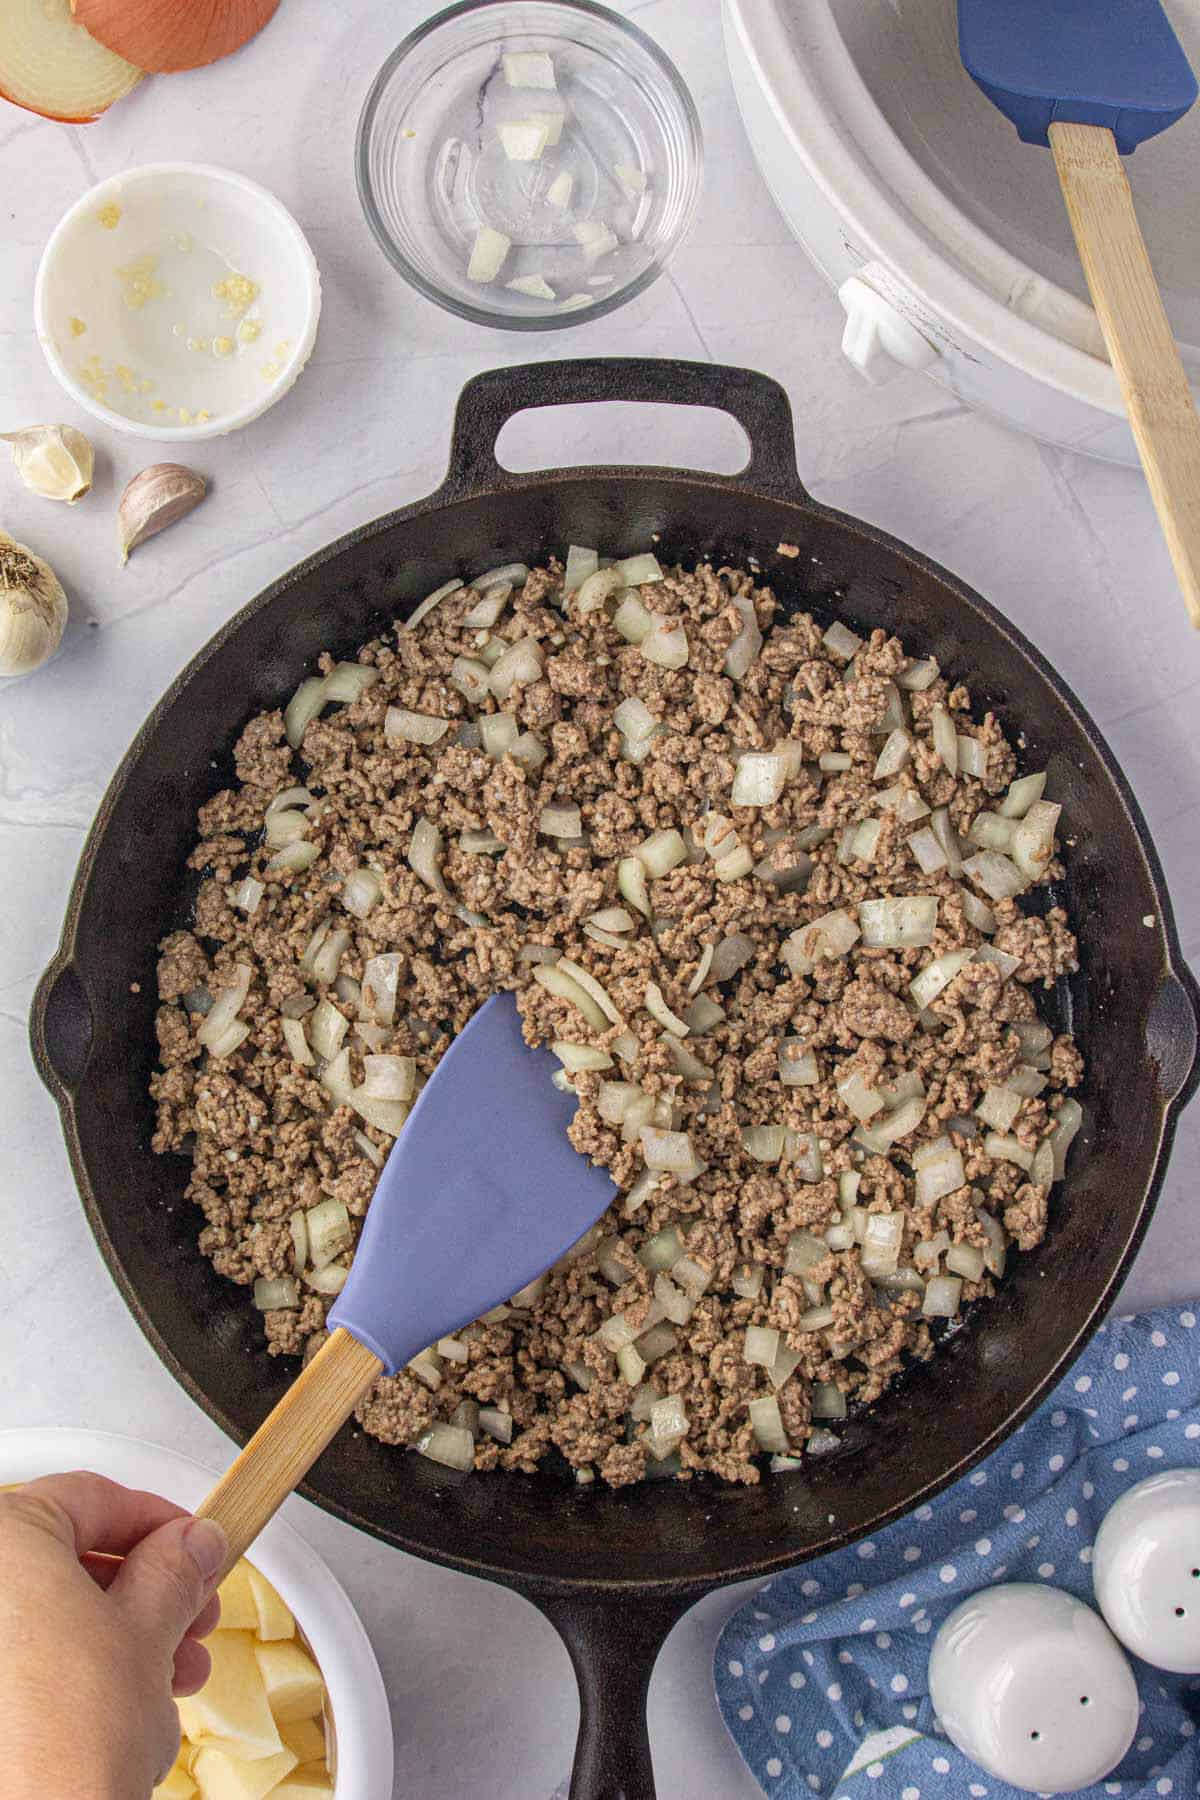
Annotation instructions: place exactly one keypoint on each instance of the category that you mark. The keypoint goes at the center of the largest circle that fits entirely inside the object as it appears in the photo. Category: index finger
(98, 1514)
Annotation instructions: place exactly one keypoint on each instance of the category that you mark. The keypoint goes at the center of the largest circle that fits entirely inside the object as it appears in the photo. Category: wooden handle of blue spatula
(1141, 347)
(289, 1441)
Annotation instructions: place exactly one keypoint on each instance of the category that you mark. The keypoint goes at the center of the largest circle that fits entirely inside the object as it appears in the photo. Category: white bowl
(127, 313)
(329, 1622)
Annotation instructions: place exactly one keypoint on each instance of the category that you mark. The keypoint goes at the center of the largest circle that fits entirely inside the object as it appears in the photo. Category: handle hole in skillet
(623, 431)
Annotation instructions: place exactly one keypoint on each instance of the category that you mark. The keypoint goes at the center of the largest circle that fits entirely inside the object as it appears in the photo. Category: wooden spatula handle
(1141, 347)
(289, 1441)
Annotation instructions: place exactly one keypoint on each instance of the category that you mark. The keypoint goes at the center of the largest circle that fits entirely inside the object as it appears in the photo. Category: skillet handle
(760, 406)
(613, 1642)
(1173, 1035)
(61, 1028)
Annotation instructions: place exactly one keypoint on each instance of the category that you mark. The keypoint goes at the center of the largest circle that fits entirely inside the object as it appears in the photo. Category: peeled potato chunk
(224, 1777)
(231, 1711)
(292, 1680)
(238, 1611)
(274, 1619)
(305, 1738)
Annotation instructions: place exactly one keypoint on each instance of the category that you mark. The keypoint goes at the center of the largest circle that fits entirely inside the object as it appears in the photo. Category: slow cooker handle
(760, 406)
(613, 1643)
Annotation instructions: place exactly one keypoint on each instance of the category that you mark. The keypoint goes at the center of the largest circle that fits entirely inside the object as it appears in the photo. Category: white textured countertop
(1067, 548)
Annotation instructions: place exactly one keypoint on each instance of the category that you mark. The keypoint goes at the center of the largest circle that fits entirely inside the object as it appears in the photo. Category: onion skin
(163, 37)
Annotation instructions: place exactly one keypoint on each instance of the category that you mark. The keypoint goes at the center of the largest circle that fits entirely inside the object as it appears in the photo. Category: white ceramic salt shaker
(1029, 1683)
(1146, 1569)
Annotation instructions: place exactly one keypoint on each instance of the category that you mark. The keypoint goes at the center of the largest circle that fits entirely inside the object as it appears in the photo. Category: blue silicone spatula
(1093, 79)
(482, 1191)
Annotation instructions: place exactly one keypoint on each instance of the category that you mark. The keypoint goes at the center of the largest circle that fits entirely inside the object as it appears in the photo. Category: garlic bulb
(55, 461)
(155, 499)
(33, 609)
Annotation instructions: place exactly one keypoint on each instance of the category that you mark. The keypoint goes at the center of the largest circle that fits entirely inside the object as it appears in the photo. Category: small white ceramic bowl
(141, 313)
(343, 1651)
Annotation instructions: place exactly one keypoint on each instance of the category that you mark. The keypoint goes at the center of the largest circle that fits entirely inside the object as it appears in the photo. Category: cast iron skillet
(614, 1570)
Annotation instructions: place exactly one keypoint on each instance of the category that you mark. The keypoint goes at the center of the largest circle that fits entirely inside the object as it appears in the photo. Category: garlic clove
(55, 461)
(33, 609)
(155, 499)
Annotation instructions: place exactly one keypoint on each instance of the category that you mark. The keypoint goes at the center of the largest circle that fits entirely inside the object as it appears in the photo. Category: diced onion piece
(992, 871)
(945, 739)
(286, 826)
(732, 867)
(670, 1152)
(892, 923)
(995, 1256)
(828, 1402)
(896, 752)
(329, 1231)
(947, 837)
(384, 1115)
(529, 1295)
(361, 891)
(631, 881)
(668, 649)
(497, 1424)
(631, 178)
(470, 677)
(560, 819)
(866, 840)
(632, 620)
(498, 732)
(857, 1096)
(479, 843)
(289, 797)
(615, 1099)
(298, 1226)
(977, 912)
(297, 1042)
(894, 1125)
(560, 190)
(425, 847)
(881, 1241)
(703, 1014)
(295, 858)
(804, 1251)
(834, 762)
(523, 139)
(767, 1423)
(674, 1302)
(247, 895)
(747, 1281)
(905, 802)
(798, 1065)
(388, 1077)
(520, 666)
(402, 726)
(815, 1319)
(598, 587)
(637, 571)
(764, 1142)
(668, 1419)
(529, 69)
(598, 936)
(1007, 1149)
(927, 1252)
(381, 978)
(1021, 795)
(595, 239)
(762, 1345)
(613, 918)
(450, 1445)
(839, 640)
(999, 959)
(999, 1108)
(658, 1009)
(592, 987)
(937, 975)
(991, 832)
(834, 934)
(303, 707)
(758, 778)
(487, 254)
(940, 1174)
(742, 653)
(327, 1028)
(972, 757)
(802, 1151)
(942, 1296)
(928, 852)
(840, 1235)
(661, 852)
(581, 562)
(371, 1151)
(656, 1342)
(329, 1281)
(1066, 1124)
(347, 681)
(491, 603)
(631, 1364)
(224, 1011)
(965, 1260)
(575, 1057)
(557, 982)
(633, 719)
(427, 605)
(918, 676)
(1033, 839)
(280, 1294)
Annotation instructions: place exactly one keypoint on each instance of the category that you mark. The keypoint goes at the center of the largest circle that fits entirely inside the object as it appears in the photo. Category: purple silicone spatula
(481, 1192)
(1094, 79)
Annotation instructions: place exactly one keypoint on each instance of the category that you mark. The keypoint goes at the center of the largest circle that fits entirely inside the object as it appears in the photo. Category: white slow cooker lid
(934, 183)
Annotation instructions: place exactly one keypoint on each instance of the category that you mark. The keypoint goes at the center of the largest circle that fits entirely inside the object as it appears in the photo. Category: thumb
(167, 1577)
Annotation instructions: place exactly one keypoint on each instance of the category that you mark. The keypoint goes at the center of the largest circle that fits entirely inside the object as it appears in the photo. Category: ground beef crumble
(267, 1142)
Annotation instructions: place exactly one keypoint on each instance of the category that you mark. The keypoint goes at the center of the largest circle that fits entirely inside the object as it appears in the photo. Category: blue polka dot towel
(821, 1678)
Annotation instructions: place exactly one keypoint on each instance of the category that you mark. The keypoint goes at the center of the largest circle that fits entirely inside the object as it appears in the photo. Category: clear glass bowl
(433, 168)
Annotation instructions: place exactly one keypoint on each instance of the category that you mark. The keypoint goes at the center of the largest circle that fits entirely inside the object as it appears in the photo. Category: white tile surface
(1066, 548)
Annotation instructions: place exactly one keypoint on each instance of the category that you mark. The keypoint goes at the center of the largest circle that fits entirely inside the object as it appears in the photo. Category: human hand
(104, 1595)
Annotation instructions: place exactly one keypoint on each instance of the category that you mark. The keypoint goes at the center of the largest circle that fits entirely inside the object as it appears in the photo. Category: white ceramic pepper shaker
(1146, 1569)
(1029, 1683)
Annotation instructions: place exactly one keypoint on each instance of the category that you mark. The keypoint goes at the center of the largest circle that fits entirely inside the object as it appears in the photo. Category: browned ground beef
(265, 1140)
